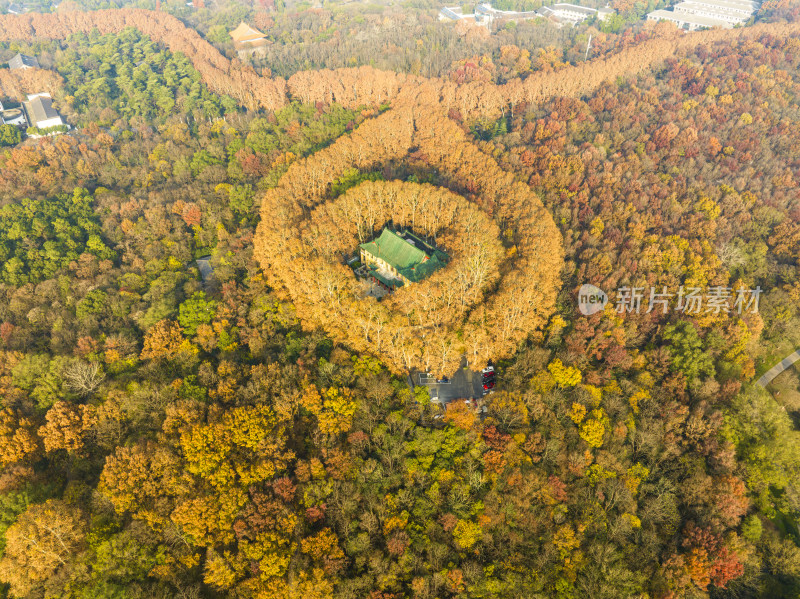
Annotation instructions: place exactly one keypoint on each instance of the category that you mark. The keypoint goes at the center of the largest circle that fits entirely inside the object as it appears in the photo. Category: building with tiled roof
(41, 113)
(23, 61)
(397, 259)
(245, 36)
(705, 14)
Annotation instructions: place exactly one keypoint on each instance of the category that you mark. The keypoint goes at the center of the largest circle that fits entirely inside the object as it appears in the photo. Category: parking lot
(464, 384)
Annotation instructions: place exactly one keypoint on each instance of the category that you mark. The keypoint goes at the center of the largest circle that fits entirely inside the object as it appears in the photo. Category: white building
(453, 13)
(686, 21)
(11, 116)
(14, 116)
(485, 14)
(568, 13)
(702, 14)
(742, 7)
(40, 111)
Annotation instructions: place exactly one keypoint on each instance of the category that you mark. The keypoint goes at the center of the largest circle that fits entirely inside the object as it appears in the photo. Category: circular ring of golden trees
(505, 251)
(444, 298)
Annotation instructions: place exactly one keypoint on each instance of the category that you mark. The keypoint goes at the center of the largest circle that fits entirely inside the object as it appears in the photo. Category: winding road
(784, 364)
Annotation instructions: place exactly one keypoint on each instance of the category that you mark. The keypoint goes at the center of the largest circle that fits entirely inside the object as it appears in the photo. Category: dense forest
(489, 300)
(362, 86)
(166, 433)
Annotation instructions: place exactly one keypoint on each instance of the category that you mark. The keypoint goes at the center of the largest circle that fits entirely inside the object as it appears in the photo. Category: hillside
(250, 432)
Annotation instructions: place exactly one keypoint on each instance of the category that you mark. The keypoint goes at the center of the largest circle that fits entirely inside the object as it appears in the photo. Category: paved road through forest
(784, 364)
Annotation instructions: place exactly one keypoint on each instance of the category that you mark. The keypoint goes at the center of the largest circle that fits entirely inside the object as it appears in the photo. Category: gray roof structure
(205, 268)
(23, 61)
(40, 108)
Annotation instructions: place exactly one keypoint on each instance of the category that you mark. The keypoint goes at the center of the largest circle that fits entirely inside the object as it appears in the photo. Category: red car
(488, 379)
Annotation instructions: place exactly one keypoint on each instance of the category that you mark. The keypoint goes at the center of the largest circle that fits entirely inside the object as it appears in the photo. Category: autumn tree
(40, 547)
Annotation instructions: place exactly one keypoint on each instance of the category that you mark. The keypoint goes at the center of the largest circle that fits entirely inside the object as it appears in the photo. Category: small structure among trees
(23, 61)
(246, 37)
(43, 118)
(396, 259)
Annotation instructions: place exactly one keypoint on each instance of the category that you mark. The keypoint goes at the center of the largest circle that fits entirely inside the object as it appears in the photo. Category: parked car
(488, 378)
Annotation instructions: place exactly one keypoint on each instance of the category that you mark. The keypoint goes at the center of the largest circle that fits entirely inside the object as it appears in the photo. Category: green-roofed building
(395, 259)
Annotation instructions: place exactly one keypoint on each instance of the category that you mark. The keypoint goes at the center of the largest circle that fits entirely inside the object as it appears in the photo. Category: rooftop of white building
(700, 21)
